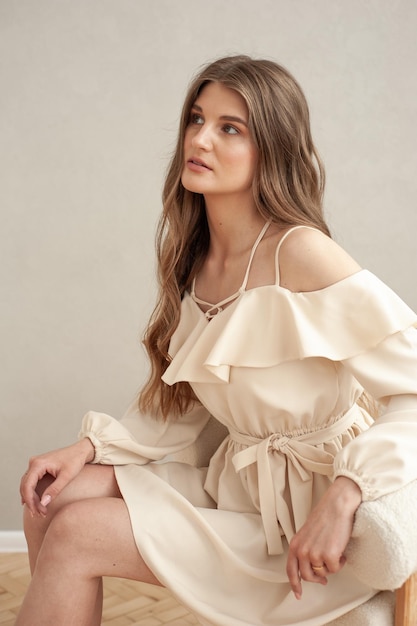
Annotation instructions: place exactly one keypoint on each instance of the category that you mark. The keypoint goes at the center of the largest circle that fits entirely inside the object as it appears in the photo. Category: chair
(383, 549)
(406, 603)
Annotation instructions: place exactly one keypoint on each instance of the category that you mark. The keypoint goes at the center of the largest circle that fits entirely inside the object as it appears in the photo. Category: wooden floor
(126, 603)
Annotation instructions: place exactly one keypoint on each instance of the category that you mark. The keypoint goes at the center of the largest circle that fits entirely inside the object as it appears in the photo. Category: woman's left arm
(316, 550)
(377, 462)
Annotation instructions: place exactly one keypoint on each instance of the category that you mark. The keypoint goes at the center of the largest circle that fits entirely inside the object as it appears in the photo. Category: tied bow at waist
(283, 459)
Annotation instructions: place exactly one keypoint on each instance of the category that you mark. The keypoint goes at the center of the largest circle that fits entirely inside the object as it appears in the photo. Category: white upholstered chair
(383, 549)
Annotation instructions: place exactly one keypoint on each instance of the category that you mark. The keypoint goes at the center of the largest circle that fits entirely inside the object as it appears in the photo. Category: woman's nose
(203, 137)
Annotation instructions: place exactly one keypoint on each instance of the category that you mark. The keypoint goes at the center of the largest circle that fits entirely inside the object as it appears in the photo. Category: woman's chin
(191, 185)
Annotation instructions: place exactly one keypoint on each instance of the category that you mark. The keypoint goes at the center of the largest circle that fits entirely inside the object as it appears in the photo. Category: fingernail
(46, 500)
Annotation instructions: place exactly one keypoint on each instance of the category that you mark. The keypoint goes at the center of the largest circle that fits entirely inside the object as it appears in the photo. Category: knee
(66, 526)
(64, 543)
(53, 536)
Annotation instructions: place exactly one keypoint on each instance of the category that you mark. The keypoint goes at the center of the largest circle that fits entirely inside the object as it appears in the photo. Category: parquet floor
(126, 602)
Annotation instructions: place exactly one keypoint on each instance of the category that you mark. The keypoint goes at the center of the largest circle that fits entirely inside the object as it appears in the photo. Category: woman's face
(219, 153)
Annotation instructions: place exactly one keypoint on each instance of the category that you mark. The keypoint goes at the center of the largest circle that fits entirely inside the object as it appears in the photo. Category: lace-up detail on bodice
(214, 309)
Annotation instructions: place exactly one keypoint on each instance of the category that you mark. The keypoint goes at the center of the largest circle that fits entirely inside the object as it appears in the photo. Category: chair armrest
(383, 548)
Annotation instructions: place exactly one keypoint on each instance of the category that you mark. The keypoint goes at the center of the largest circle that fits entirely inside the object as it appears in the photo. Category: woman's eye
(230, 130)
(195, 118)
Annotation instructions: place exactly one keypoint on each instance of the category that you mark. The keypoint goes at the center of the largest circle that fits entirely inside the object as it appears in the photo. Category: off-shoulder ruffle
(270, 325)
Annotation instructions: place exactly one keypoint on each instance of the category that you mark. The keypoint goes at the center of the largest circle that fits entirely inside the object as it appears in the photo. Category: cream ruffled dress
(282, 371)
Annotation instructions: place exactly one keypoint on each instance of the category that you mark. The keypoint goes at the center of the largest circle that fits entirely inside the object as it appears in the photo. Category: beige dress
(282, 371)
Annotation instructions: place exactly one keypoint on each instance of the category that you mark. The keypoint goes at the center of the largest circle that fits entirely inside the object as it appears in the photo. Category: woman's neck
(231, 224)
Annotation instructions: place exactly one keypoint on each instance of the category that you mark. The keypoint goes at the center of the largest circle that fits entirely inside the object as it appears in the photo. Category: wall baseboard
(12, 541)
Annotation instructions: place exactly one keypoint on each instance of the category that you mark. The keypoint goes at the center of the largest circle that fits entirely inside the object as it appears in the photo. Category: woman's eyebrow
(233, 118)
(227, 118)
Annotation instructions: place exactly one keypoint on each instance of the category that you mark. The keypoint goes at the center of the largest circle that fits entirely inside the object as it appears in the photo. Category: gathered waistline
(313, 436)
(300, 451)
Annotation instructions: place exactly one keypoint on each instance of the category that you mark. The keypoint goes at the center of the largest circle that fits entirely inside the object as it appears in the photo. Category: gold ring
(317, 567)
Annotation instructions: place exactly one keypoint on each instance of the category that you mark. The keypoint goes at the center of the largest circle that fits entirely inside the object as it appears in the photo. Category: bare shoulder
(309, 260)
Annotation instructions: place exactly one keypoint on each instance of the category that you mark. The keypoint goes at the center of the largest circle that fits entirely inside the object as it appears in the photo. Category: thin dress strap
(217, 308)
(281, 241)
(252, 254)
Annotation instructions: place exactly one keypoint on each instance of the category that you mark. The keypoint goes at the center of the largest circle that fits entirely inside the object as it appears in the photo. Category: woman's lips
(197, 165)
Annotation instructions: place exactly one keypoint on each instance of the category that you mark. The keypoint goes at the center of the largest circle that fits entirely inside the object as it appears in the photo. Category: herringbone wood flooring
(126, 602)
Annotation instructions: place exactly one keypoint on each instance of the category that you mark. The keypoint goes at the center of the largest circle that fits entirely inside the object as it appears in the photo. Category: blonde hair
(287, 189)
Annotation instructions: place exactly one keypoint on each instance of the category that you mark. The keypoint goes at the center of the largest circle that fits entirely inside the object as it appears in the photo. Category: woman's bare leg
(93, 481)
(85, 540)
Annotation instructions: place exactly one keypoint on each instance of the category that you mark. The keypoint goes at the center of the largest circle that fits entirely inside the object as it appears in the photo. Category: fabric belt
(293, 454)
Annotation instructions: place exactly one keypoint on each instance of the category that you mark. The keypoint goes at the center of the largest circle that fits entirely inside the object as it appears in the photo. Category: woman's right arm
(137, 438)
(63, 465)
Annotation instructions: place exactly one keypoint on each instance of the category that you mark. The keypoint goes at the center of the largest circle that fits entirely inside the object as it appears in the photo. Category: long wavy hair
(287, 188)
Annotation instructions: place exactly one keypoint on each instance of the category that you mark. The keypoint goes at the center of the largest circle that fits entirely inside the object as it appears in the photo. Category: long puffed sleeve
(139, 438)
(383, 458)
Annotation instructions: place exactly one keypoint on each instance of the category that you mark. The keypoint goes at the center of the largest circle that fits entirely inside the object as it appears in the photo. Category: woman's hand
(317, 549)
(63, 465)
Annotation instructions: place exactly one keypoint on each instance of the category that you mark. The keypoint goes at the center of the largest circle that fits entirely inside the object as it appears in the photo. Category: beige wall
(90, 92)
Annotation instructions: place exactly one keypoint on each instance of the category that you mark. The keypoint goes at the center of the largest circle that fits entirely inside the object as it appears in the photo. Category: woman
(267, 324)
